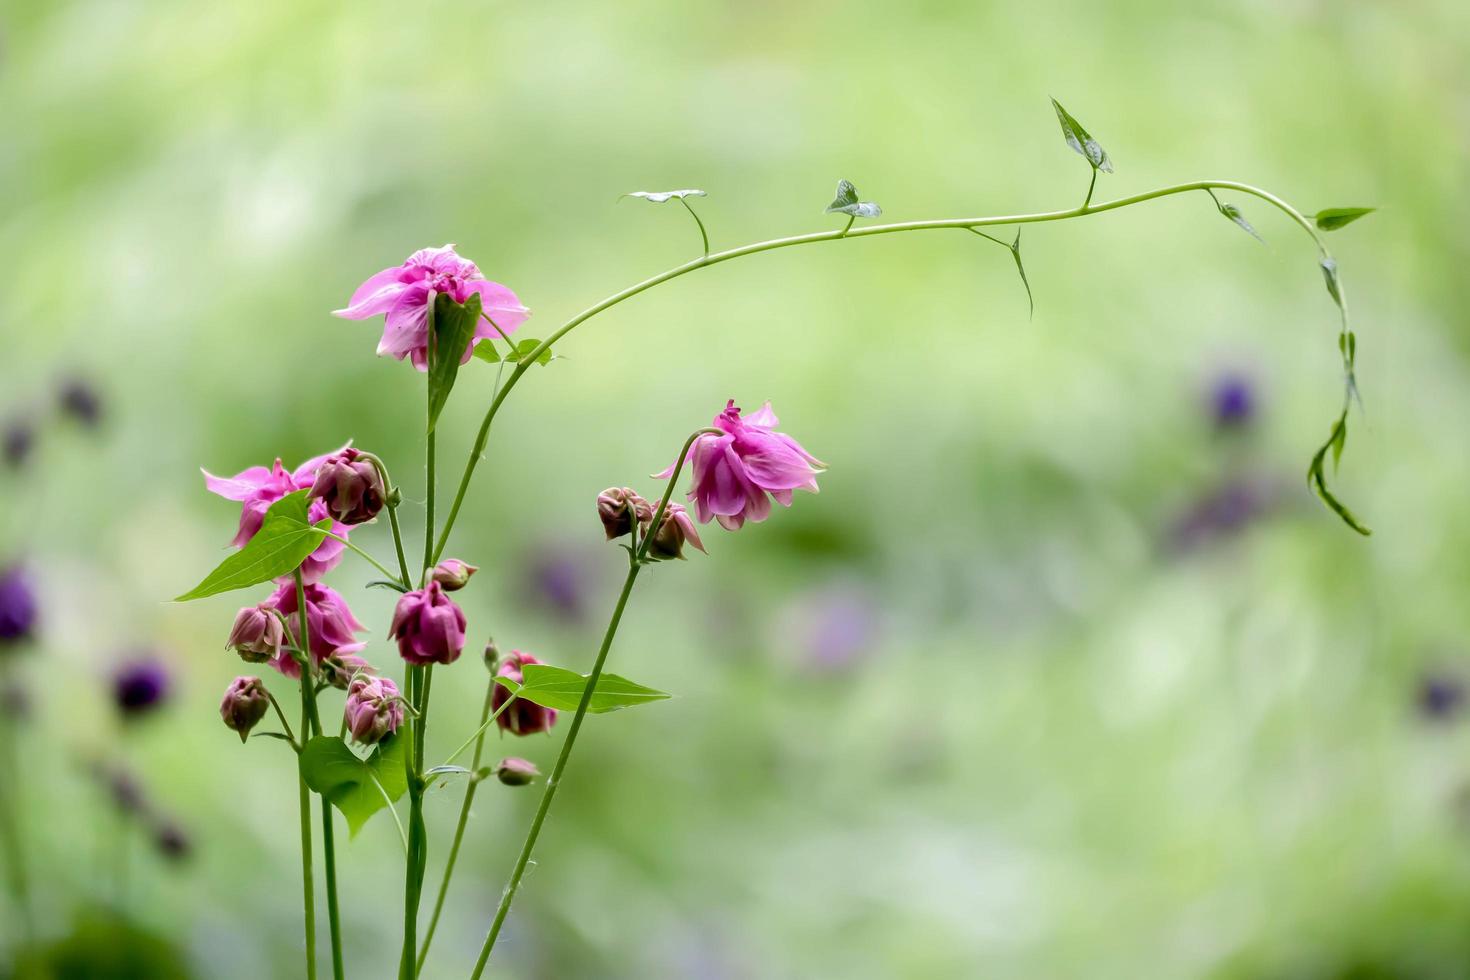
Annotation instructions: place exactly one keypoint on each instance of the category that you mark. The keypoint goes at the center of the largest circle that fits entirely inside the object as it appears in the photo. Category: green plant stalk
(391, 500)
(844, 234)
(307, 888)
(464, 816)
(635, 564)
(11, 827)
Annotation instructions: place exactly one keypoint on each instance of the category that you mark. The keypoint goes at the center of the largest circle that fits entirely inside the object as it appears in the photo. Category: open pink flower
(403, 294)
(329, 621)
(257, 488)
(428, 625)
(734, 471)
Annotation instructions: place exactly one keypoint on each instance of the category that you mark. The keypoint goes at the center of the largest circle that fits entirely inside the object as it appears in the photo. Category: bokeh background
(1063, 674)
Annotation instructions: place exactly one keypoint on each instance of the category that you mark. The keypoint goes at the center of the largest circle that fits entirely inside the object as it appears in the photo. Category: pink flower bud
(453, 574)
(350, 487)
(522, 717)
(257, 634)
(374, 710)
(516, 772)
(674, 529)
(429, 626)
(619, 507)
(245, 703)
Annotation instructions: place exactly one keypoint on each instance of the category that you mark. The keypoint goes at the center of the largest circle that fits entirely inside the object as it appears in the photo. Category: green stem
(844, 234)
(11, 827)
(311, 723)
(413, 878)
(703, 235)
(307, 889)
(549, 793)
(479, 733)
(392, 498)
(334, 923)
(1092, 185)
(486, 719)
(635, 564)
(429, 557)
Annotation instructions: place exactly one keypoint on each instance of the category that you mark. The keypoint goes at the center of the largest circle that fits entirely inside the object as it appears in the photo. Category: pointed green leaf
(451, 328)
(1331, 219)
(523, 350)
(1016, 254)
(485, 351)
(278, 548)
(352, 784)
(659, 197)
(1317, 475)
(1329, 274)
(1234, 214)
(1080, 140)
(556, 687)
(846, 202)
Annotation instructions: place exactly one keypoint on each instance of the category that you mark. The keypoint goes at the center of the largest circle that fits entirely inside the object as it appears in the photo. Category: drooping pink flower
(257, 488)
(523, 717)
(373, 710)
(403, 294)
(734, 471)
(330, 625)
(244, 704)
(350, 487)
(429, 626)
(257, 634)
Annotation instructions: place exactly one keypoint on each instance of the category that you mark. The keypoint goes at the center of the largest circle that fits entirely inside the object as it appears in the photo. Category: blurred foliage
(1056, 677)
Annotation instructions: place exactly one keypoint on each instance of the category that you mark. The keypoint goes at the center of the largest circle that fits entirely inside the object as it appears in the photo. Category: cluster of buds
(350, 487)
(374, 709)
(620, 509)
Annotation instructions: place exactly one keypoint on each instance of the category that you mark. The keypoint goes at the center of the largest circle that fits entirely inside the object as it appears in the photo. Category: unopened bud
(350, 486)
(374, 709)
(492, 656)
(257, 634)
(453, 574)
(339, 669)
(245, 703)
(675, 528)
(619, 508)
(516, 772)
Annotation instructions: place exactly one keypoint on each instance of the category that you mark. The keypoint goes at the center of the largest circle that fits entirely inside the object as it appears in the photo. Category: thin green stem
(334, 924)
(311, 723)
(392, 497)
(1092, 185)
(284, 723)
(307, 889)
(370, 559)
(549, 793)
(486, 719)
(848, 227)
(845, 234)
(703, 235)
(479, 734)
(11, 824)
(388, 802)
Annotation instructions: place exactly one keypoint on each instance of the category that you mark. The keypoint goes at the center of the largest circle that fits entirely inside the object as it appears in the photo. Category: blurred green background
(1057, 677)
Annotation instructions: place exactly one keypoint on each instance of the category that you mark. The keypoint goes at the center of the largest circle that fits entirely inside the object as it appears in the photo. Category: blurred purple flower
(79, 400)
(1232, 401)
(834, 627)
(1222, 512)
(17, 607)
(1441, 696)
(17, 442)
(403, 294)
(171, 840)
(734, 471)
(257, 488)
(557, 579)
(140, 686)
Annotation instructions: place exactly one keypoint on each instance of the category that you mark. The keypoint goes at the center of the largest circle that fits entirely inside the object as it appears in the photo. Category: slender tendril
(844, 234)
(703, 235)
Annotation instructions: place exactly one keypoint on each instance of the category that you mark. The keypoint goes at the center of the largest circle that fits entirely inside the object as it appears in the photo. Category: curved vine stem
(847, 234)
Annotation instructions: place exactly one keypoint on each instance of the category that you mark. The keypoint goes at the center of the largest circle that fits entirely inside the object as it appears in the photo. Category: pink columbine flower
(257, 488)
(349, 486)
(329, 623)
(244, 704)
(429, 626)
(373, 710)
(734, 471)
(523, 717)
(404, 292)
(257, 634)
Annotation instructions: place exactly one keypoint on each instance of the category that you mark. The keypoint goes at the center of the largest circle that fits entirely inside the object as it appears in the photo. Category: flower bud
(374, 709)
(675, 527)
(453, 574)
(339, 669)
(245, 703)
(619, 507)
(516, 772)
(523, 717)
(17, 607)
(492, 656)
(257, 634)
(350, 487)
(429, 626)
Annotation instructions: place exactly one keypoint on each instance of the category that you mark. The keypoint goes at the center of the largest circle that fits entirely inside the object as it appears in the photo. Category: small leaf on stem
(1331, 219)
(1329, 273)
(352, 784)
(280, 546)
(522, 351)
(451, 329)
(1234, 214)
(659, 197)
(556, 687)
(1080, 140)
(485, 351)
(846, 202)
(1317, 475)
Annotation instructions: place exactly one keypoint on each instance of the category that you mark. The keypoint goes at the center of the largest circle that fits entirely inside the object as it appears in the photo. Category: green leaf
(486, 351)
(1016, 254)
(1331, 219)
(451, 328)
(1334, 287)
(659, 197)
(1080, 140)
(846, 202)
(1234, 214)
(352, 784)
(556, 687)
(523, 349)
(1317, 475)
(278, 548)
